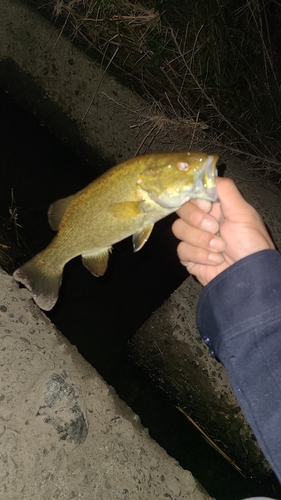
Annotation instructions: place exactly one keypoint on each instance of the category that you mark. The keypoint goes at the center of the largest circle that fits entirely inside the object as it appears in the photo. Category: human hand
(216, 235)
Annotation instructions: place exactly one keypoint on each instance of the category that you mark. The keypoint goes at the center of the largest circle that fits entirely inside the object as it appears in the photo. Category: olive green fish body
(108, 210)
(126, 200)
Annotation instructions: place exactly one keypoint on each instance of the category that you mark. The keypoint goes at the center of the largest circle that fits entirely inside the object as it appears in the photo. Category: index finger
(199, 218)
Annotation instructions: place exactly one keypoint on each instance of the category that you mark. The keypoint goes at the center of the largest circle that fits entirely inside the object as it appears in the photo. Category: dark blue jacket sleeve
(240, 313)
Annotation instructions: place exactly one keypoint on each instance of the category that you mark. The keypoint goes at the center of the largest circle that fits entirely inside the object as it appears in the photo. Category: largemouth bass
(126, 200)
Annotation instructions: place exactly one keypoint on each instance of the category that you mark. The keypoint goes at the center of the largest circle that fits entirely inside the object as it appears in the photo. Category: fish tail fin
(43, 284)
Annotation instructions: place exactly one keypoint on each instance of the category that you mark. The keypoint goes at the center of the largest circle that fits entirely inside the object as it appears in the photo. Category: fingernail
(217, 244)
(210, 225)
(216, 258)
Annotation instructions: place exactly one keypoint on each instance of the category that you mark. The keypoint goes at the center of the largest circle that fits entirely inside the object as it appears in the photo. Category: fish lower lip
(212, 194)
(211, 170)
(210, 173)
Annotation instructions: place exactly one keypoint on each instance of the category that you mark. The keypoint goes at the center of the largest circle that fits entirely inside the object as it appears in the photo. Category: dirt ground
(64, 432)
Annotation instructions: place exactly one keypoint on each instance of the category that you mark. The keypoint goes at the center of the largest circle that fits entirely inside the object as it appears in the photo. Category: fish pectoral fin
(140, 237)
(96, 262)
(130, 209)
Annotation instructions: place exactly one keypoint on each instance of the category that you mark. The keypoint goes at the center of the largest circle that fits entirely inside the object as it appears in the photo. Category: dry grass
(13, 250)
(210, 71)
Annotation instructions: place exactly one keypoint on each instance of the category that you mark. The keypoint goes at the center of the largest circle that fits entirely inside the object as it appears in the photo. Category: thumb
(231, 200)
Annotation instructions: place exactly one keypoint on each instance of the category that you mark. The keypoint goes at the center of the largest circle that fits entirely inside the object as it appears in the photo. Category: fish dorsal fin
(96, 261)
(58, 208)
(140, 237)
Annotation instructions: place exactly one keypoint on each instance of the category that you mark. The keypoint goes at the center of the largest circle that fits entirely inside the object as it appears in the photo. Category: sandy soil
(64, 432)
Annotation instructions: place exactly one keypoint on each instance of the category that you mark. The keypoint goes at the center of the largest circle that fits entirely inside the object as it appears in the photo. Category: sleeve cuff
(249, 288)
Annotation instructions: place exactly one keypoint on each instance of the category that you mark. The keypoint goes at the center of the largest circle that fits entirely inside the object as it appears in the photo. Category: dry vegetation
(210, 71)
(13, 249)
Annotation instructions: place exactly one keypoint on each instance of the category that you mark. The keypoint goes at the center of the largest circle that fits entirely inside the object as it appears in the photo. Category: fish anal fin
(141, 237)
(96, 261)
(57, 210)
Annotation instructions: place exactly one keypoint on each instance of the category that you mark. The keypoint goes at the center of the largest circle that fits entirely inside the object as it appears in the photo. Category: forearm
(240, 312)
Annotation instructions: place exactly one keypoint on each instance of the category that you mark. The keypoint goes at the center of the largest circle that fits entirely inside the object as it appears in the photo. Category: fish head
(174, 178)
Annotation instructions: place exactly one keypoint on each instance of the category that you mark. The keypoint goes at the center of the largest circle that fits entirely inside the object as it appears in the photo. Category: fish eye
(182, 165)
